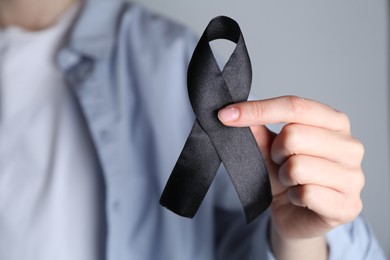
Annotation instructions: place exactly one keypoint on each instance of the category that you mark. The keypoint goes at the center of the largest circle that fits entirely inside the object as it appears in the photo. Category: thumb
(264, 139)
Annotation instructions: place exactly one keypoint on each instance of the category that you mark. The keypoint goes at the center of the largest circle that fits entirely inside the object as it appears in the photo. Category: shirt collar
(94, 30)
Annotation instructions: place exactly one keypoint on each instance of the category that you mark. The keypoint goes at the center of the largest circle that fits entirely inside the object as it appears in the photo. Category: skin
(314, 163)
(315, 170)
(32, 15)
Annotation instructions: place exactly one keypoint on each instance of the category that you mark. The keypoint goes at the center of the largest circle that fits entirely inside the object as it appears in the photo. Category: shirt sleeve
(354, 241)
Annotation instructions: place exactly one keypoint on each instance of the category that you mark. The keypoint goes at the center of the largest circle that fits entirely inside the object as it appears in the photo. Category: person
(94, 113)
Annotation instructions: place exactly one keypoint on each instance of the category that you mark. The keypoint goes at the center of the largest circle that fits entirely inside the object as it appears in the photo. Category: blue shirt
(127, 68)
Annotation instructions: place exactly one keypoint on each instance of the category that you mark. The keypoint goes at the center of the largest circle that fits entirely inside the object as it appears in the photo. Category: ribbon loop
(210, 142)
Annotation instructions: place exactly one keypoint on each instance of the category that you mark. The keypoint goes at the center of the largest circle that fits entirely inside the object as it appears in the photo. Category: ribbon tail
(192, 175)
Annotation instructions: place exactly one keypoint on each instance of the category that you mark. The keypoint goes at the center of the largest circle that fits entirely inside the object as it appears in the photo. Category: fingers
(295, 139)
(307, 170)
(323, 176)
(287, 109)
(315, 162)
(334, 207)
(321, 170)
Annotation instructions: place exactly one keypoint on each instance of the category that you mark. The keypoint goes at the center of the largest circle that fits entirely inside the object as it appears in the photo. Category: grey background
(332, 51)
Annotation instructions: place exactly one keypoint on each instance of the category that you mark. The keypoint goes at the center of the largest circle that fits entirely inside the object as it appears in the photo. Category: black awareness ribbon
(210, 142)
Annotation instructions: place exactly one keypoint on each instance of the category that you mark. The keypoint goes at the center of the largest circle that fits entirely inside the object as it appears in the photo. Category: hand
(314, 165)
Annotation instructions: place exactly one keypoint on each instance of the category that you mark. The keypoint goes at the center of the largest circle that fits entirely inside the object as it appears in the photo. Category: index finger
(286, 109)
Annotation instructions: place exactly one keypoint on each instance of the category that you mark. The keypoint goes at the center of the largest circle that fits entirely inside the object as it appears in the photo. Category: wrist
(296, 248)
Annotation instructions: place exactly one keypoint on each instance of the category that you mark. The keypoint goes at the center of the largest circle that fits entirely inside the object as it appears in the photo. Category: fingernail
(228, 114)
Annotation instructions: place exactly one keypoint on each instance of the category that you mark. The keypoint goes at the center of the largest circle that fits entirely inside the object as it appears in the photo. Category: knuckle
(307, 196)
(258, 110)
(359, 181)
(345, 123)
(357, 209)
(351, 210)
(359, 147)
(362, 181)
(297, 104)
(294, 170)
(356, 206)
(357, 150)
(290, 136)
(354, 184)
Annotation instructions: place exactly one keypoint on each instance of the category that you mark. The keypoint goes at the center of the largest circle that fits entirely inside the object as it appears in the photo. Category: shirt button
(68, 58)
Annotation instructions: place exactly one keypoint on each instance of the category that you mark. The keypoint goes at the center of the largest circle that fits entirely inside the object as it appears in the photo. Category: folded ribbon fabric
(210, 142)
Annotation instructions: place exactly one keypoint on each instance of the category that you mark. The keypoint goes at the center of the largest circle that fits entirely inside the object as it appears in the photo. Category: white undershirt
(48, 175)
